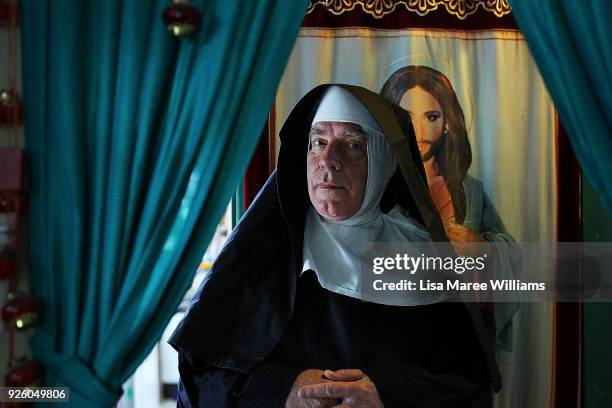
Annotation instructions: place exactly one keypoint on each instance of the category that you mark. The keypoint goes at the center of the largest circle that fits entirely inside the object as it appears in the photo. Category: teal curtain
(136, 142)
(571, 42)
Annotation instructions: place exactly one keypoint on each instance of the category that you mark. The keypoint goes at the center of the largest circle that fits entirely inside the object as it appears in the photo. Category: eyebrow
(354, 133)
(429, 111)
(315, 131)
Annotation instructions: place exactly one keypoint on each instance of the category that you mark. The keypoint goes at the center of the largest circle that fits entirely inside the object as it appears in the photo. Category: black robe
(235, 343)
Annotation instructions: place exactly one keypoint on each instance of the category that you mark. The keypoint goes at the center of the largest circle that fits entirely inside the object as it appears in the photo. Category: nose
(330, 157)
(418, 130)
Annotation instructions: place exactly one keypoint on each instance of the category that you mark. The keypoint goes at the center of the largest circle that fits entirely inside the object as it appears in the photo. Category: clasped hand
(333, 389)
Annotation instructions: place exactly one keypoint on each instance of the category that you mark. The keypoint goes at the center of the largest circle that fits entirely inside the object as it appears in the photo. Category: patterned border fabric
(380, 8)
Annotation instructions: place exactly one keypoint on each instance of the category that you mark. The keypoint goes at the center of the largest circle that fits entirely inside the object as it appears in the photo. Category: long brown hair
(454, 157)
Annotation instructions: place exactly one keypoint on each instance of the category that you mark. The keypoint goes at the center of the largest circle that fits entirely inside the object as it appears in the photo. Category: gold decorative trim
(380, 8)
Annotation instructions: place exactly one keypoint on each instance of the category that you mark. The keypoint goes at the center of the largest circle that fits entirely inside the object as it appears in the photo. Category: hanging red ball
(21, 312)
(10, 108)
(181, 18)
(28, 374)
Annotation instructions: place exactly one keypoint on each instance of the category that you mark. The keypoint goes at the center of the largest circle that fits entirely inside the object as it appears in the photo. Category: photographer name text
(458, 285)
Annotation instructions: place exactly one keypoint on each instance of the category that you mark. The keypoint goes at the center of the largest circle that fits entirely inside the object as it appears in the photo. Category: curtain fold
(571, 42)
(136, 142)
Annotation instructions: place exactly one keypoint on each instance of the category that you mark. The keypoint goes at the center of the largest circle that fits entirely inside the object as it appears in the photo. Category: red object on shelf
(30, 373)
(10, 108)
(21, 312)
(181, 18)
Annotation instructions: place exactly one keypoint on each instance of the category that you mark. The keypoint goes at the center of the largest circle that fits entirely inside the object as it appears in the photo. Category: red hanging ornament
(182, 18)
(21, 312)
(28, 374)
(10, 108)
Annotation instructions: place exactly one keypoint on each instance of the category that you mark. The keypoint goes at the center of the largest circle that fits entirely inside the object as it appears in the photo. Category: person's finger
(345, 374)
(325, 390)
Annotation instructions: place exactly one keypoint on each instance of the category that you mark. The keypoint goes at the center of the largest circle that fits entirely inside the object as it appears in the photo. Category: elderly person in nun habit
(280, 320)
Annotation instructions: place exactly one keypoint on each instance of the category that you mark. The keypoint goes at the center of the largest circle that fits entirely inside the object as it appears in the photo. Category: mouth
(327, 186)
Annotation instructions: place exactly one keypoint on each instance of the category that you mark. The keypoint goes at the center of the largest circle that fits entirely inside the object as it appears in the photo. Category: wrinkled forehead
(347, 129)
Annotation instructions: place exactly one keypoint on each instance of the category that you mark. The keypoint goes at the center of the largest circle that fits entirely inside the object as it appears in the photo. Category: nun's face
(337, 169)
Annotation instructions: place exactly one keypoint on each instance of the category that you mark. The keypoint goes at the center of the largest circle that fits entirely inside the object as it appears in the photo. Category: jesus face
(427, 118)
(337, 169)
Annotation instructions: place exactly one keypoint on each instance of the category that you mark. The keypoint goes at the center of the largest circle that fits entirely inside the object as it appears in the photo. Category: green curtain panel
(571, 42)
(136, 142)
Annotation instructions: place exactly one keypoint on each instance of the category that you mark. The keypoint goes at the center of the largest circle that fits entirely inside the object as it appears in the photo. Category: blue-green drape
(136, 142)
(571, 42)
